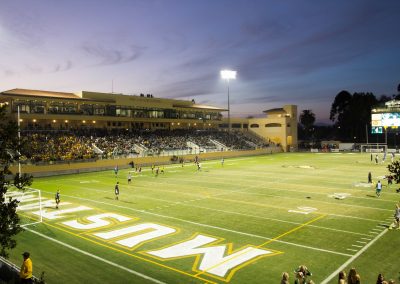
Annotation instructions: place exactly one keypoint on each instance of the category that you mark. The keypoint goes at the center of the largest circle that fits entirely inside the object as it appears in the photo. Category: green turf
(245, 202)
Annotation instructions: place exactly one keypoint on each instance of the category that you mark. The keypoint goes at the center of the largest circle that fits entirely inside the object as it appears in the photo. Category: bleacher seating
(82, 145)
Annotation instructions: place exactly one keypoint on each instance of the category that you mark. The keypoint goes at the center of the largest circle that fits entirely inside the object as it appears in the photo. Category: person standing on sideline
(129, 178)
(369, 177)
(390, 180)
(376, 159)
(116, 189)
(285, 278)
(57, 198)
(371, 157)
(26, 269)
(396, 223)
(342, 277)
(116, 171)
(392, 157)
(378, 188)
(353, 277)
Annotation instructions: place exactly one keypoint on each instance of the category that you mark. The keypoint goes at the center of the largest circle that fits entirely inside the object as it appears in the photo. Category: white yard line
(208, 226)
(319, 201)
(353, 217)
(277, 196)
(278, 220)
(351, 259)
(232, 200)
(352, 249)
(97, 257)
(202, 198)
(295, 177)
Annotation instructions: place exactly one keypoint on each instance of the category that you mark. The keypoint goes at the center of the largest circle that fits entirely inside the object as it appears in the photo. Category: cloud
(193, 87)
(62, 67)
(174, 42)
(113, 55)
(308, 48)
(21, 28)
(8, 73)
(33, 69)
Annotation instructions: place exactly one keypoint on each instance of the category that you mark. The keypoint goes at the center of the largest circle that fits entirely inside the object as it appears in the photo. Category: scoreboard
(377, 130)
(386, 119)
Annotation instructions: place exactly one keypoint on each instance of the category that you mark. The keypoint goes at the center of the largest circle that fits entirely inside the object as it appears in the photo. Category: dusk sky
(285, 52)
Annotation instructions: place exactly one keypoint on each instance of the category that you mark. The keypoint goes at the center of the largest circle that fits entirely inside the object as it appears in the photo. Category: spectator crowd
(302, 273)
(92, 144)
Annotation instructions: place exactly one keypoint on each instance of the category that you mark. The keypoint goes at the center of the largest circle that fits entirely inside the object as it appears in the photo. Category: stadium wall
(102, 165)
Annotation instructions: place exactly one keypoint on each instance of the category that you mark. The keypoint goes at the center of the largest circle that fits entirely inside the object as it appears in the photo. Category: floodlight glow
(228, 74)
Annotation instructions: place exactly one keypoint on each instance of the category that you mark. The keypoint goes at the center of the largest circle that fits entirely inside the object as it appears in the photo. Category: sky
(301, 52)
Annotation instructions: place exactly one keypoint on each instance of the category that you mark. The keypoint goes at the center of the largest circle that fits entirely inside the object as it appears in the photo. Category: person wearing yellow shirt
(26, 269)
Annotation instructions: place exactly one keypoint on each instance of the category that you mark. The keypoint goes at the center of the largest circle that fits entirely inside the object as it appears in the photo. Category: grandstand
(89, 113)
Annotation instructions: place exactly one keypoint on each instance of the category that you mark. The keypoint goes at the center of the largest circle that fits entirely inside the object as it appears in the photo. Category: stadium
(207, 142)
(201, 199)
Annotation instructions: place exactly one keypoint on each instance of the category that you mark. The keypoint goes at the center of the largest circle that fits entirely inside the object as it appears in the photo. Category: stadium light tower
(227, 75)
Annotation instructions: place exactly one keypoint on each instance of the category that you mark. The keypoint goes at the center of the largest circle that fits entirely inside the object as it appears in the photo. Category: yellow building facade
(46, 110)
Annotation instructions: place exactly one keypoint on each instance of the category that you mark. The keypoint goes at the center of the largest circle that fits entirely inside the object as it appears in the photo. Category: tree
(394, 168)
(351, 113)
(10, 151)
(397, 97)
(384, 99)
(307, 119)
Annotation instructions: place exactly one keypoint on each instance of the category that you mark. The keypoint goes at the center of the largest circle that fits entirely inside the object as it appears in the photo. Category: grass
(252, 201)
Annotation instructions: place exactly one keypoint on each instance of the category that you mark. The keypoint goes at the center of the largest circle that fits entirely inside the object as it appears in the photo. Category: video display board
(385, 119)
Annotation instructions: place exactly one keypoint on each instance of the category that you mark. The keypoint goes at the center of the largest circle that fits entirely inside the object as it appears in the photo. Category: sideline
(351, 259)
(97, 257)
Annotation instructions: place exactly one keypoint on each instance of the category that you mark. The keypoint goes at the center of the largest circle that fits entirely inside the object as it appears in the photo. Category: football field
(245, 221)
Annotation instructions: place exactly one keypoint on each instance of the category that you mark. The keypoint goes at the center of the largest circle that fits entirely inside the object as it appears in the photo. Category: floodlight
(228, 74)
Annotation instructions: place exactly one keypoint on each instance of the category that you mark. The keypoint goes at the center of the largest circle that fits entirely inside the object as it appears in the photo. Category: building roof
(198, 106)
(275, 110)
(103, 97)
(39, 93)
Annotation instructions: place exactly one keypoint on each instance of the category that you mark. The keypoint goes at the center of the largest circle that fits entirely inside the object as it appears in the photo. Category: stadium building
(47, 110)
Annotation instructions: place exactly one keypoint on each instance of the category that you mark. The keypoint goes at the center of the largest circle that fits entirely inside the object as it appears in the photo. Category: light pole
(227, 75)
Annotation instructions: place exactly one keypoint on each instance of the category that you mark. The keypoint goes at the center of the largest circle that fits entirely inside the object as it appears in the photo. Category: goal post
(373, 148)
(29, 200)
